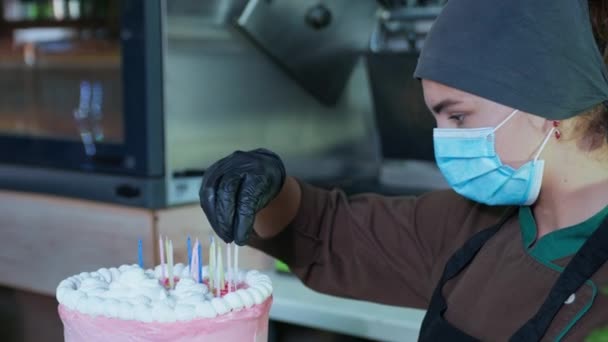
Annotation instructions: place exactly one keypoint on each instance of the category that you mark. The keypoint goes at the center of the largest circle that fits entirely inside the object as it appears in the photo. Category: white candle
(162, 257)
(236, 266)
(217, 271)
(194, 262)
(220, 266)
(170, 263)
(211, 266)
(229, 265)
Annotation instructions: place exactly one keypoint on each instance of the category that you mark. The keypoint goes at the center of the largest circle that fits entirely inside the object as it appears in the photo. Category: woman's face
(516, 141)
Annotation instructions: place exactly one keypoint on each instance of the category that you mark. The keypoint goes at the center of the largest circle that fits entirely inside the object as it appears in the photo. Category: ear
(539, 124)
(548, 124)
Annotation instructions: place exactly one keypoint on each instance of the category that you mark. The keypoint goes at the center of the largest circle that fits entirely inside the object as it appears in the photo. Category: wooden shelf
(80, 23)
(88, 54)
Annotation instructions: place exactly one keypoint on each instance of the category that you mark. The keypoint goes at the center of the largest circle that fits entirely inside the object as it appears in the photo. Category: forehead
(435, 92)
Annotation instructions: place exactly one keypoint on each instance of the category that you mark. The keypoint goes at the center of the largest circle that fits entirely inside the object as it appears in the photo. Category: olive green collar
(560, 243)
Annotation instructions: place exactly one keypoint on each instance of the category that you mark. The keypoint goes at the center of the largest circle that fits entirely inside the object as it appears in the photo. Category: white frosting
(131, 293)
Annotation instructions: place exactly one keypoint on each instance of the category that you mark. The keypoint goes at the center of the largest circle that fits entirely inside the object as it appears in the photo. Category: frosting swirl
(132, 293)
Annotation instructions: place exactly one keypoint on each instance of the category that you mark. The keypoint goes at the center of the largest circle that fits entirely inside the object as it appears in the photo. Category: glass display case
(65, 89)
(81, 97)
(60, 86)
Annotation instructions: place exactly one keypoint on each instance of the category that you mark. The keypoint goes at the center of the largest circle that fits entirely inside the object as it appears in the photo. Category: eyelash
(457, 117)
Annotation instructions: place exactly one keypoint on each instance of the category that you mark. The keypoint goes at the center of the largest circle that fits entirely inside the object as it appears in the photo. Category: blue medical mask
(469, 162)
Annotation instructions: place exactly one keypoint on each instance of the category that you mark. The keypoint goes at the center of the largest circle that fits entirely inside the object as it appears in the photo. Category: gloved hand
(236, 187)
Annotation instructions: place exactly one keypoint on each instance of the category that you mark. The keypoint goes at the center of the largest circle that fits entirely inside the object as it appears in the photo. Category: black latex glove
(236, 187)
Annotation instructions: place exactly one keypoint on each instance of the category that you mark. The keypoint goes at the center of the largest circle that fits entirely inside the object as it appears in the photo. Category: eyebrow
(444, 104)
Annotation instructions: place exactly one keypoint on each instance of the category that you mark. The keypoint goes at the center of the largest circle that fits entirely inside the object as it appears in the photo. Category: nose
(442, 122)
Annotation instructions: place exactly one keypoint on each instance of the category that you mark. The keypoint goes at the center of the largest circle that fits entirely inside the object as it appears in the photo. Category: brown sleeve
(369, 247)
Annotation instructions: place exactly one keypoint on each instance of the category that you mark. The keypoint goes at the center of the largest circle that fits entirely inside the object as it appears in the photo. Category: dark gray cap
(539, 56)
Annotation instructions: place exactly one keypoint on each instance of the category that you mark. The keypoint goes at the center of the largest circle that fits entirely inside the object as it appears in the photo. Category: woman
(518, 249)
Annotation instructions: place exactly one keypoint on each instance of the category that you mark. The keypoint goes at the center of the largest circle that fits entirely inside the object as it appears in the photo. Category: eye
(459, 118)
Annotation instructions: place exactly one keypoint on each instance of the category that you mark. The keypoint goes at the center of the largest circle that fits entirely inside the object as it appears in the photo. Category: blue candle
(189, 249)
(140, 253)
(200, 263)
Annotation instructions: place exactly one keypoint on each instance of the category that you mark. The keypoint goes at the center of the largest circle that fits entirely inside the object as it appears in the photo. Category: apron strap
(592, 255)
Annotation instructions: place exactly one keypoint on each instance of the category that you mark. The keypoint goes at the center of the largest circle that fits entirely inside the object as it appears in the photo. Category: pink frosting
(244, 325)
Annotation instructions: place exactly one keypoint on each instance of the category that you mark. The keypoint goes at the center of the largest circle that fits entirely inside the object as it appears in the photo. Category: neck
(578, 191)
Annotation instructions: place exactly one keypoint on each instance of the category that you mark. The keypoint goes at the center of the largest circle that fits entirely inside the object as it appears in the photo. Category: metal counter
(296, 304)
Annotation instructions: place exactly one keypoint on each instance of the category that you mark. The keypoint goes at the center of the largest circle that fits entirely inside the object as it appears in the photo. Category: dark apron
(592, 255)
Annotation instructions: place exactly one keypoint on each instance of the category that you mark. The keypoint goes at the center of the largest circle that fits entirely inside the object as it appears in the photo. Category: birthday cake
(168, 303)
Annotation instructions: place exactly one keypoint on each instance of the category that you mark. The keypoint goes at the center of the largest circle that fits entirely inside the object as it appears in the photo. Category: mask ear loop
(542, 146)
(506, 119)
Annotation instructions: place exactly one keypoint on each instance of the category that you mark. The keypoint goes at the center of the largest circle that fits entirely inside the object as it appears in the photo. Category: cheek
(505, 150)
(515, 146)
